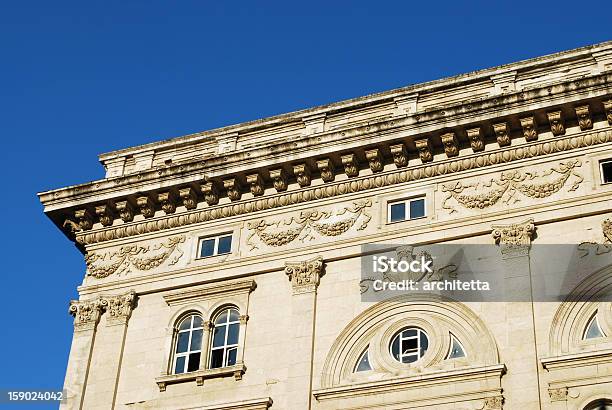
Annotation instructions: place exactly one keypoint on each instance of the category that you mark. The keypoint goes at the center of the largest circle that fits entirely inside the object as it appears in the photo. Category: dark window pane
(197, 321)
(219, 336)
(398, 212)
(185, 324)
(225, 244)
(364, 363)
(216, 359)
(395, 348)
(194, 362)
(606, 170)
(208, 247)
(180, 365)
(231, 356)
(234, 316)
(409, 344)
(232, 337)
(196, 340)
(409, 359)
(410, 332)
(183, 340)
(222, 318)
(417, 208)
(424, 342)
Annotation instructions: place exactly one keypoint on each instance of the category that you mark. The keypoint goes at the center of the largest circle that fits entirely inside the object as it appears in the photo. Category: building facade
(224, 268)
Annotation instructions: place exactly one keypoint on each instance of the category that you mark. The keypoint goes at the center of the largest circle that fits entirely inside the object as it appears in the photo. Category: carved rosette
(351, 165)
(514, 239)
(425, 149)
(118, 308)
(86, 313)
(84, 219)
(501, 133)
(584, 117)
(326, 168)
(126, 212)
(451, 144)
(146, 205)
(256, 184)
(400, 156)
(233, 188)
(530, 128)
(555, 119)
(279, 179)
(493, 403)
(375, 160)
(105, 214)
(305, 276)
(302, 174)
(608, 109)
(476, 139)
(558, 394)
(167, 201)
(211, 193)
(189, 198)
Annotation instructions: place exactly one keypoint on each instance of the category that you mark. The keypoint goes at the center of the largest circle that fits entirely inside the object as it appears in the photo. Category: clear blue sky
(81, 78)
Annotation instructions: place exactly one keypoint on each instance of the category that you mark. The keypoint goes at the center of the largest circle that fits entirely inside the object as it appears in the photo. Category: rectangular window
(215, 245)
(606, 171)
(406, 210)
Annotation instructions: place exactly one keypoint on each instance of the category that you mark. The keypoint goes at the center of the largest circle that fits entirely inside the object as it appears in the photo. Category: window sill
(200, 375)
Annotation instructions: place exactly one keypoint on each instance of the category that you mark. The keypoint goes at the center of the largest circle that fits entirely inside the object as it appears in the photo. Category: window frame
(176, 355)
(226, 347)
(602, 162)
(217, 237)
(407, 202)
(399, 335)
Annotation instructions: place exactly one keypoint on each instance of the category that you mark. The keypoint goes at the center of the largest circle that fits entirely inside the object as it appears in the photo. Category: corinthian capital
(305, 275)
(86, 313)
(118, 308)
(514, 237)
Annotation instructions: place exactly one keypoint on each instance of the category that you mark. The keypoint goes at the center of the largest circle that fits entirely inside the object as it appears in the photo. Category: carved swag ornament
(133, 256)
(480, 195)
(304, 227)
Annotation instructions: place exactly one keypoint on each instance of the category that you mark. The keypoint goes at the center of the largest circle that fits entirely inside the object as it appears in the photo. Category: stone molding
(87, 313)
(207, 291)
(305, 276)
(402, 175)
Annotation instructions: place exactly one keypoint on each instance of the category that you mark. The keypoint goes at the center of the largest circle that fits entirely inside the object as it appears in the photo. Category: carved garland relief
(134, 256)
(310, 224)
(508, 184)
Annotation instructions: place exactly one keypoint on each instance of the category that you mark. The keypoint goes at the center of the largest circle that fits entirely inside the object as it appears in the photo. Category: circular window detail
(409, 345)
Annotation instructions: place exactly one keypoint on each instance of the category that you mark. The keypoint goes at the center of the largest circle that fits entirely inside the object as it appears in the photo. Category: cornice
(225, 289)
(388, 178)
(573, 360)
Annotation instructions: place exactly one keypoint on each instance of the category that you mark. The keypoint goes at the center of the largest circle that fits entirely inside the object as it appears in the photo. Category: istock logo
(384, 264)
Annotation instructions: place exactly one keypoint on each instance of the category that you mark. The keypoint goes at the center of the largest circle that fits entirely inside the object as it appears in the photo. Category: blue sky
(81, 78)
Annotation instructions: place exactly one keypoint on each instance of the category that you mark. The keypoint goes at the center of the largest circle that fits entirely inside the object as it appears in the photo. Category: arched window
(602, 404)
(188, 345)
(363, 364)
(224, 346)
(593, 331)
(456, 349)
(409, 345)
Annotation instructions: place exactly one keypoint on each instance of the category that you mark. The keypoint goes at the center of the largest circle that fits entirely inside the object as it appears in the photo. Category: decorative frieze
(351, 165)
(211, 193)
(189, 198)
(326, 168)
(305, 276)
(302, 174)
(86, 313)
(365, 183)
(400, 156)
(146, 206)
(476, 139)
(126, 212)
(279, 179)
(451, 144)
(555, 118)
(84, 219)
(425, 149)
(501, 134)
(375, 159)
(167, 201)
(118, 308)
(608, 110)
(256, 184)
(584, 117)
(105, 214)
(530, 128)
(233, 188)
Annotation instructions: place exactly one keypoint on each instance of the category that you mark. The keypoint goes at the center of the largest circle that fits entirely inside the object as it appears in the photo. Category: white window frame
(188, 351)
(601, 171)
(226, 347)
(216, 237)
(401, 338)
(406, 203)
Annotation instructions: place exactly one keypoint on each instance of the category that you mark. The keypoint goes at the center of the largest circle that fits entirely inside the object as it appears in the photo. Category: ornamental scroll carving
(310, 224)
(509, 184)
(585, 248)
(305, 276)
(101, 265)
